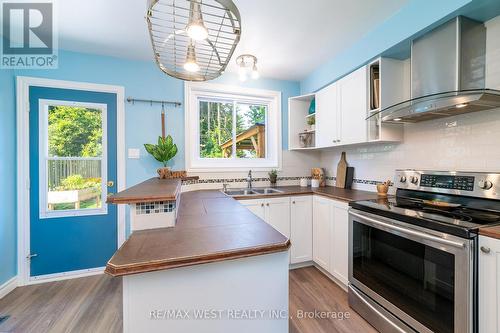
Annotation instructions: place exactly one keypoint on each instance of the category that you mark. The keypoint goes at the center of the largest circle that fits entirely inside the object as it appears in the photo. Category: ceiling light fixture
(193, 40)
(191, 65)
(196, 29)
(247, 66)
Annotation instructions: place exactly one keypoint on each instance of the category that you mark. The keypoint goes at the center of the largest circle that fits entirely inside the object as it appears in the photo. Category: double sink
(250, 191)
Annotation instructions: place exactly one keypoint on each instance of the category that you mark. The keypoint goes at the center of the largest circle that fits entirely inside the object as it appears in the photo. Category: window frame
(196, 91)
(43, 158)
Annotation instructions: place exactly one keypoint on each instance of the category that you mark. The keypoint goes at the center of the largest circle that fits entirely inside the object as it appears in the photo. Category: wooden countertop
(210, 227)
(493, 232)
(336, 193)
(153, 189)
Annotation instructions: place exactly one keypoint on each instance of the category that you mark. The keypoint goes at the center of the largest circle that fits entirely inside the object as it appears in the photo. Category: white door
(322, 212)
(278, 214)
(353, 109)
(326, 116)
(301, 229)
(256, 206)
(489, 285)
(339, 245)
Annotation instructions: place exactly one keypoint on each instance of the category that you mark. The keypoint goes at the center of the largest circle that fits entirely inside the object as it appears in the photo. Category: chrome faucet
(249, 179)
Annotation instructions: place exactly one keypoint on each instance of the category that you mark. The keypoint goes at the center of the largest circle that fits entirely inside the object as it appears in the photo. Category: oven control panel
(464, 183)
(476, 184)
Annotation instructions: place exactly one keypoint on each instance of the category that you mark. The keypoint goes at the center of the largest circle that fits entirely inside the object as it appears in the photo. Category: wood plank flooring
(94, 304)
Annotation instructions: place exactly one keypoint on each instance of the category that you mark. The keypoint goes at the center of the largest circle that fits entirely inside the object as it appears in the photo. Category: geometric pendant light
(193, 40)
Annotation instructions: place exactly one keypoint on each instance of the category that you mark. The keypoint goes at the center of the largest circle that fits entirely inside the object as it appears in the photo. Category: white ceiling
(289, 37)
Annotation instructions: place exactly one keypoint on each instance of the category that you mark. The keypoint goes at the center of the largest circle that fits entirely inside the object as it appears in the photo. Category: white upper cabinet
(327, 116)
(353, 106)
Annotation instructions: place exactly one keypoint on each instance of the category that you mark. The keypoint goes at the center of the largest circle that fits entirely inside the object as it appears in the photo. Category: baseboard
(331, 277)
(8, 286)
(66, 275)
(301, 265)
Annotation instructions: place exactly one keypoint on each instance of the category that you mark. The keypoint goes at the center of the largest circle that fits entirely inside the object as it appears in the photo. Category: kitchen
(353, 189)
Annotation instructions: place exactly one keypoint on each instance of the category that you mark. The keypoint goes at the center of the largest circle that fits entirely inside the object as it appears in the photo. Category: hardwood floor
(94, 304)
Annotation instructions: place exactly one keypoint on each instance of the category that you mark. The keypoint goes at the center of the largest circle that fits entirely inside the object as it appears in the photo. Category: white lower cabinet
(292, 216)
(489, 285)
(330, 236)
(317, 228)
(301, 229)
(322, 212)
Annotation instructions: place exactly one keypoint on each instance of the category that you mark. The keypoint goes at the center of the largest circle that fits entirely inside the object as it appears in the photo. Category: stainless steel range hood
(447, 74)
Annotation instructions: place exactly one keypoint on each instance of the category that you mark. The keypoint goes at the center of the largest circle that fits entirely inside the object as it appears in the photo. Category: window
(72, 150)
(232, 128)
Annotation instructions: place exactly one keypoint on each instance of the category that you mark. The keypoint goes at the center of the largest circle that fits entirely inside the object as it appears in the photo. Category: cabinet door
(278, 214)
(489, 285)
(256, 206)
(322, 214)
(353, 106)
(326, 116)
(301, 229)
(339, 262)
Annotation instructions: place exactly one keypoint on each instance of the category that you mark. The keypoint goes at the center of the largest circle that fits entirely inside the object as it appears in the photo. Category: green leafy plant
(311, 121)
(164, 151)
(273, 175)
(77, 182)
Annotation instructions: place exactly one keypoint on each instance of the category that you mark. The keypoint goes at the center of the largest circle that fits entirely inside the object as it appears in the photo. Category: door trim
(23, 84)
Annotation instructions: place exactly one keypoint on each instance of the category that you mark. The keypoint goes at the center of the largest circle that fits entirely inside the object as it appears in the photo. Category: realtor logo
(28, 35)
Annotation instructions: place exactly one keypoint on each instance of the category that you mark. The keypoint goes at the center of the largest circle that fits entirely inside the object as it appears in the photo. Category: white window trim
(271, 98)
(43, 149)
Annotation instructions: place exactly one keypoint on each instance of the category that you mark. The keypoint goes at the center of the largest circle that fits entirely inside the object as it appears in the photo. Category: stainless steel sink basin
(250, 192)
(266, 190)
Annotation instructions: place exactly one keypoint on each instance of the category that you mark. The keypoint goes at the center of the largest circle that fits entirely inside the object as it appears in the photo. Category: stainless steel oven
(407, 278)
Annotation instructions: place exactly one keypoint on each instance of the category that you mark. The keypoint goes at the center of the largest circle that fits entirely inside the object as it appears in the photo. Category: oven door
(424, 278)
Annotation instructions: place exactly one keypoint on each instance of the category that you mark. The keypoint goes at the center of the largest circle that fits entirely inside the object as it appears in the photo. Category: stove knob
(402, 179)
(414, 179)
(485, 184)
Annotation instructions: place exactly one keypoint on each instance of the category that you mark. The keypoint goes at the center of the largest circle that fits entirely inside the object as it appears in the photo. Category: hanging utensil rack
(152, 101)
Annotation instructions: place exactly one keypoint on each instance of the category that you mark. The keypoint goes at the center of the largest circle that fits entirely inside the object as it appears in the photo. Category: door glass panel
(74, 158)
(416, 278)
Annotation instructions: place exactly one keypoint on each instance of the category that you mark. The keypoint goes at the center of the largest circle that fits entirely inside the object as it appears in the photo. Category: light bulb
(190, 65)
(195, 29)
(255, 73)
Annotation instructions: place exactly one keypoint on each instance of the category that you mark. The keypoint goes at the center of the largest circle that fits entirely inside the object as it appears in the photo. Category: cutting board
(341, 172)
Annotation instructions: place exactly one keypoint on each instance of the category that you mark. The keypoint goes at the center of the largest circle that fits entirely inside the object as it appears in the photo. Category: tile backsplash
(468, 142)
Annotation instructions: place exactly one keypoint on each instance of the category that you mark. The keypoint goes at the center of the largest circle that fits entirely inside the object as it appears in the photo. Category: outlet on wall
(134, 153)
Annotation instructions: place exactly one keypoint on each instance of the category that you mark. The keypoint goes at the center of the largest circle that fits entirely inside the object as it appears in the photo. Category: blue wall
(408, 21)
(141, 79)
(7, 177)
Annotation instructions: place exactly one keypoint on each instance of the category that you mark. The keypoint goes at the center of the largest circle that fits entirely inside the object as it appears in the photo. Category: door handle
(111, 183)
(29, 256)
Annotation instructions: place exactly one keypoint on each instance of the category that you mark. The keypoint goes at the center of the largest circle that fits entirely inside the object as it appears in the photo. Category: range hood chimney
(447, 74)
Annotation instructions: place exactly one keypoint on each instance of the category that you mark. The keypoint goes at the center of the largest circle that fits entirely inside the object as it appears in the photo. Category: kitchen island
(219, 269)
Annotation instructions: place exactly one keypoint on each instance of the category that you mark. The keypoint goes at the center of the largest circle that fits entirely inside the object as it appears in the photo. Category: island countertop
(210, 227)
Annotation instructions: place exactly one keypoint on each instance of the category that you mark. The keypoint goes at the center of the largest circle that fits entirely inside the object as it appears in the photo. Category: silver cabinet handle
(262, 204)
(267, 204)
(407, 231)
(485, 249)
(293, 202)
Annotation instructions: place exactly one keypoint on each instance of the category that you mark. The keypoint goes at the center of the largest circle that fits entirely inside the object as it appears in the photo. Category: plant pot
(164, 173)
(273, 180)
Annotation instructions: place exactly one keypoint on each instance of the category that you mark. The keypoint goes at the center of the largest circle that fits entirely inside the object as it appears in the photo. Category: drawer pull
(485, 249)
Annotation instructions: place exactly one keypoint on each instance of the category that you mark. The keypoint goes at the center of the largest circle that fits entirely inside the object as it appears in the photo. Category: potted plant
(273, 177)
(311, 121)
(163, 152)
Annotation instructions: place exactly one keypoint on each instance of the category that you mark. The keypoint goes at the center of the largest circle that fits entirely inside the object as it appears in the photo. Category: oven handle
(410, 231)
